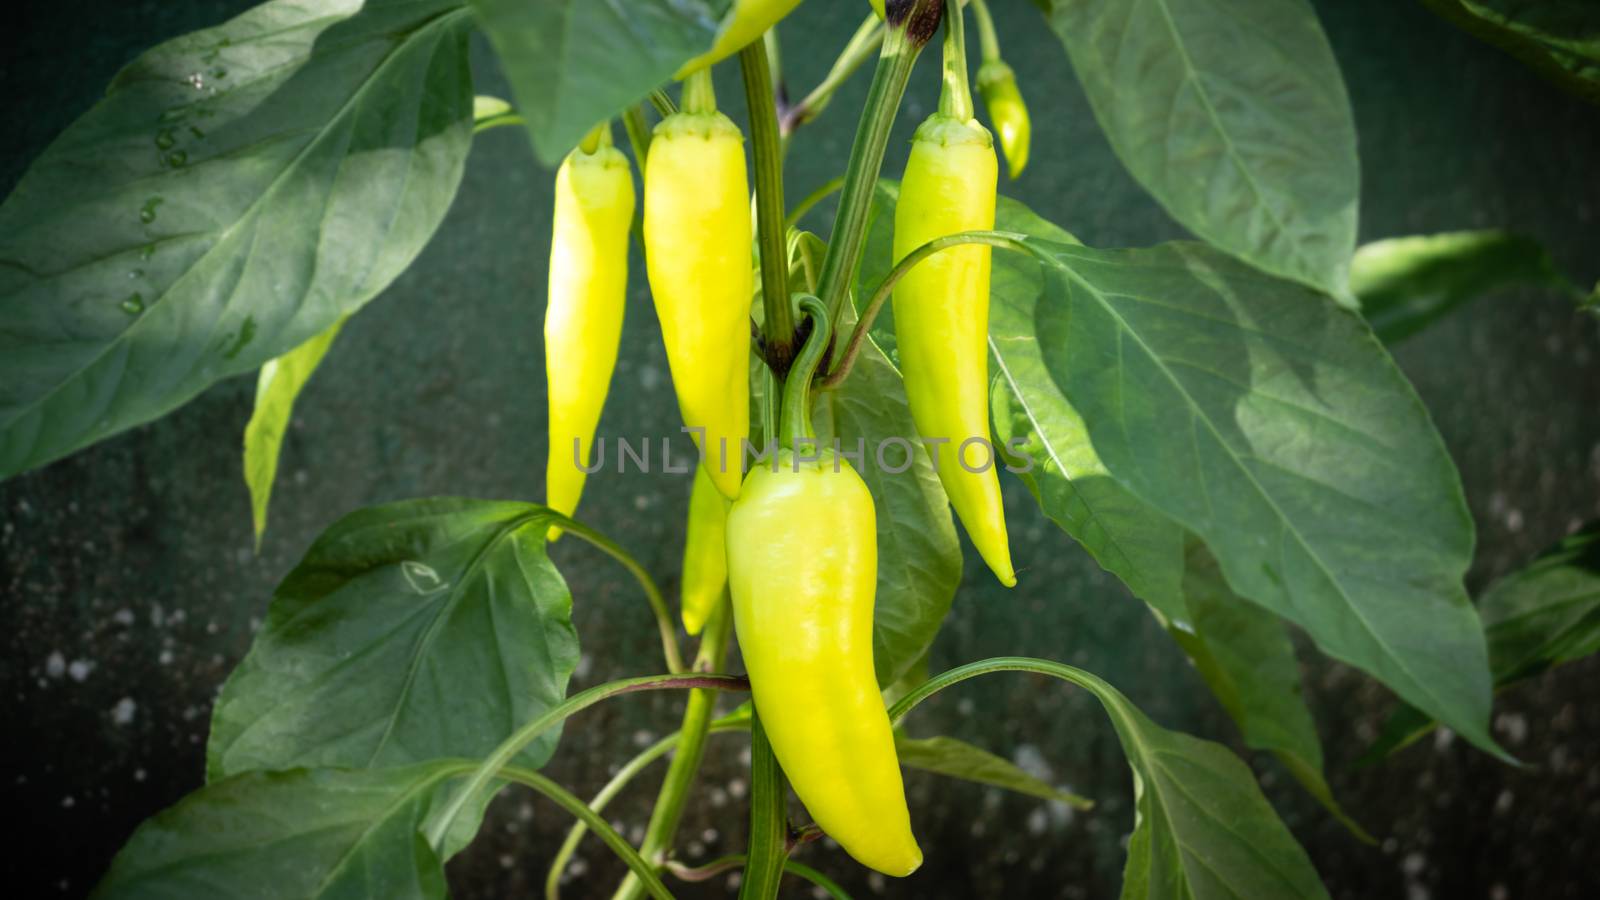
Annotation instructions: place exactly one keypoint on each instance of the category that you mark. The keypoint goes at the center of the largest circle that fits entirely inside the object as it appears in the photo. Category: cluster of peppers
(804, 620)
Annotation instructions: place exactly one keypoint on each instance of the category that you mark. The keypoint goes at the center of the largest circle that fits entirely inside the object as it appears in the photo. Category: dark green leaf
(1233, 114)
(1560, 39)
(1406, 284)
(573, 64)
(238, 191)
(1272, 425)
(318, 833)
(959, 759)
(413, 631)
(1245, 656)
(1541, 616)
(919, 557)
(277, 387)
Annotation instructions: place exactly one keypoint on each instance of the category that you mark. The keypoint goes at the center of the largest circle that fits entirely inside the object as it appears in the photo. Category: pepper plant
(1217, 421)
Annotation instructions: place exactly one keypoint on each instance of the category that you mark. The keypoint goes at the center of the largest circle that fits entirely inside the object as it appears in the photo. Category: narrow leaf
(959, 759)
(277, 387)
(413, 631)
(318, 834)
(237, 192)
(573, 64)
(1272, 425)
(1559, 39)
(1233, 115)
(1406, 284)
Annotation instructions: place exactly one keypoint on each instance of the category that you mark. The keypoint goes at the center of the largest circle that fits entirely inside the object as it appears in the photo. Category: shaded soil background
(128, 586)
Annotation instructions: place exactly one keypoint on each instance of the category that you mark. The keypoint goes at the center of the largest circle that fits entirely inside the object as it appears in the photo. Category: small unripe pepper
(802, 570)
(705, 553)
(997, 84)
(746, 22)
(697, 235)
(583, 314)
(941, 321)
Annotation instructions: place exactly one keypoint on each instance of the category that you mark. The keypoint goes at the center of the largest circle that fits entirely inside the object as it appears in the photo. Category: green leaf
(573, 64)
(1541, 616)
(318, 833)
(1202, 828)
(1559, 39)
(277, 387)
(1406, 284)
(412, 631)
(238, 191)
(1245, 656)
(959, 759)
(919, 556)
(1233, 114)
(1272, 425)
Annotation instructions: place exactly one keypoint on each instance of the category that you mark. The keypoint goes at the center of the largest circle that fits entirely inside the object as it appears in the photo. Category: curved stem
(624, 776)
(901, 44)
(439, 823)
(867, 39)
(674, 794)
(589, 817)
(1007, 240)
(737, 860)
(766, 147)
(987, 39)
(652, 593)
(983, 667)
(795, 424)
(956, 98)
(812, 199)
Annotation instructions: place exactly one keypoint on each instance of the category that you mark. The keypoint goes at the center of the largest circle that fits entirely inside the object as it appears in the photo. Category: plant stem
(663, 103)
(956, 98)
(668, 811)
(624, 776)
(901, 44)
(737, 860)
(794, 426)
(766, 147)
(862, 45)
(658, 603)
(589, 817)
(439, 823)
(769, 829)
(699, 94)
(987, 39)
(638, 133)
(1004, 239)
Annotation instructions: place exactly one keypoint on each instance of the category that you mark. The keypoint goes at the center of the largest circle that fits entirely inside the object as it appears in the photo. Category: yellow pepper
(705, 553)
(697, 235)
(802, 569)
(746, 22)
(583, 314)
(997, 84)
(941, 321)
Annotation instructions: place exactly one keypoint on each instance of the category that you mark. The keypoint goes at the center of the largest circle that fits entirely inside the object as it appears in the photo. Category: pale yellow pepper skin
(802, 568)
(941, 320)
(705, 553)
(997, 84)
(697, 235)
(744, 23)
(583, 314)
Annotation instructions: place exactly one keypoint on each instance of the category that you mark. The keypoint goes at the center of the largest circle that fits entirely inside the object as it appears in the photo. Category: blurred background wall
(130, 587)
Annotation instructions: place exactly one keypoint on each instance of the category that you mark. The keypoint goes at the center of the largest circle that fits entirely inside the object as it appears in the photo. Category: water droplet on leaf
(147, 212)
(177, 158)
(423, 578)
(134, 304)
(164, 139)
(196, 80)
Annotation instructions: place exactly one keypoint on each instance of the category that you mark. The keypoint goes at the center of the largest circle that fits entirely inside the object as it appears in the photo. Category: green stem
(674, 795)
(987, 39)
(599, 136)
(998, 664)
(795, 424)
(865, 42)
(812, 199)
(766, 147)
(699, 94)
(769, 830)
(1007, 240)
(638, 133)
(439, 823)
(658, 603)
(662, 101)
(589, 817)
(737, 860)
(956, 98)
(901, 44)
(624, 776)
